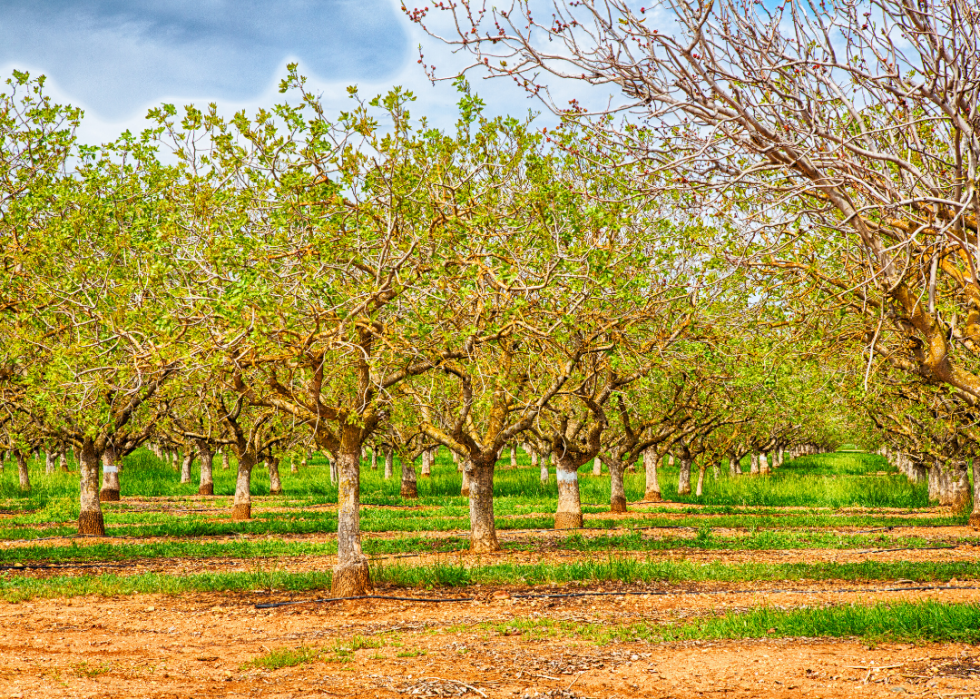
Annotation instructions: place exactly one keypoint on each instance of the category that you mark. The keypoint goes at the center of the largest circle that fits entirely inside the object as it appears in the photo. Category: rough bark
(185, 466)
(351, 576)
(954, 486)
(374, 458)
(90, 520)
(763, 464)
(731, 466)
(650, 462)
(699, 489)
(389, 463)
(684, 476)
(975, 514)
(617, 497)
(206, 483)
(513, 456)
(242, 508)
(333, 469)
(110, 476)
(464, 489)
(63, 461)
(224, 459)
(49, 462)
(755, 465)
(483, 528)
(597, 466)
(934, 478)
(569, 514)
(23, 474)
(544, 468)
(427, 463)
(410, 487)
(275, 483)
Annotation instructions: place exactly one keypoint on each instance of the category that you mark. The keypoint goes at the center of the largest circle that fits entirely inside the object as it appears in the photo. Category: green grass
(341, 651)
(632, 571)
(610, 570)
(705, 539)
(837, 480)
(919, 622)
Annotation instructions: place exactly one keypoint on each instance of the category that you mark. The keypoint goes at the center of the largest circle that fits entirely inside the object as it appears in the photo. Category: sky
(117, 58)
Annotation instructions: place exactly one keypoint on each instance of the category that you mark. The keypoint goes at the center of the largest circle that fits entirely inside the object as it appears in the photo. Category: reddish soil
(201, 645)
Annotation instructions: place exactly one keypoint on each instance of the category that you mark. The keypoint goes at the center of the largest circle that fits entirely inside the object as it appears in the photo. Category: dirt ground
(201, 645)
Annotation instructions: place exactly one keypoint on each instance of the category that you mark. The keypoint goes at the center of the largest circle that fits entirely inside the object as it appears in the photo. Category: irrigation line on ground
(434, 600)
(627, 593)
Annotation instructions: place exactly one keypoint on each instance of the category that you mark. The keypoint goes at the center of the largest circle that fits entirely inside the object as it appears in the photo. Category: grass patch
(918, 622)
(341, 651)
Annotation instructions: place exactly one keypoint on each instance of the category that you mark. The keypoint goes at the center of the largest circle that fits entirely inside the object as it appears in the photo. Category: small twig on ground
(576, 680)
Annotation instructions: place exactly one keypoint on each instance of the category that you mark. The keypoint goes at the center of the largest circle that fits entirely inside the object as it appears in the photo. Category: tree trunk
(333, 469)
(224, 459)
(22, 472)
(569, 514)
(206, 484)
(731, 465)
(410, 487)
(293, 467)
(975, 514)
(110, 476)
(351, 577)
(934, 478)
(755, 464)
(544, 469)
(275, 484)
(242, 509)
(374, 458)
(513, 456)
(49, 462)
(427, 463)
(185, 466)
(670, 461)
(63, 460)
(597, 466)
(763, 464)
(617, 498)
(684, 476)
(650, 462)
(389, 463)
(699, 489)
(534, 457)
(955, 486)
(483, 529)
(464, 489)
(90, 520)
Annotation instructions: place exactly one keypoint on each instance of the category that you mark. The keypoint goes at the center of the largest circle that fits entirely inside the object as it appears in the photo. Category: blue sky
(116, 58)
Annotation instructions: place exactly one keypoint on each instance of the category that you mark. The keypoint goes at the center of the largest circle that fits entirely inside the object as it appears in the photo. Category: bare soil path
(201, 645)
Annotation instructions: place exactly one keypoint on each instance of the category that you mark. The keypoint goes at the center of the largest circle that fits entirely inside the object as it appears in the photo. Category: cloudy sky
(116, 58)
